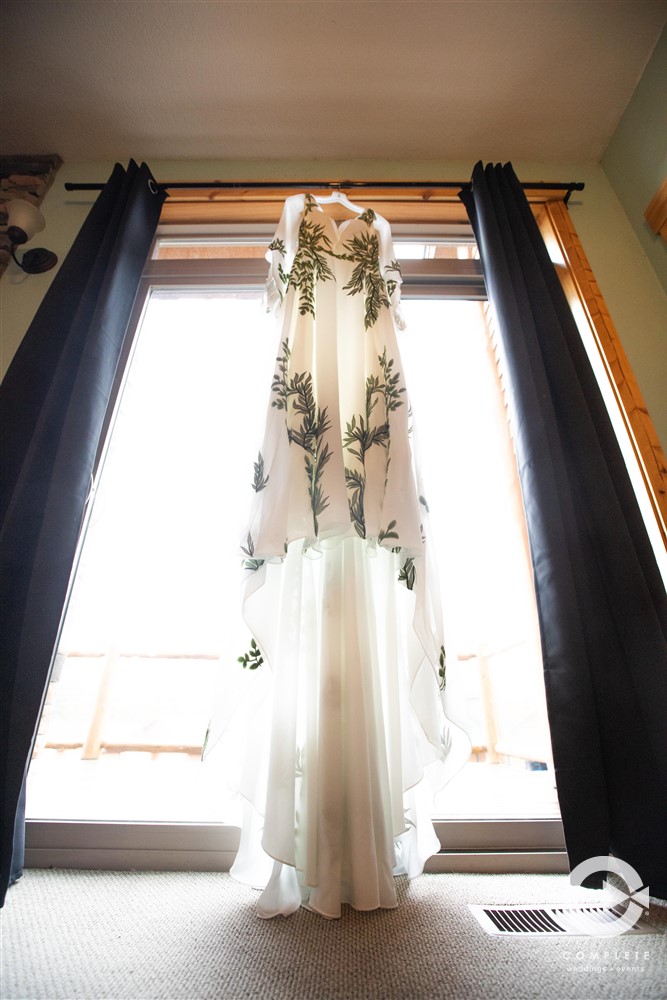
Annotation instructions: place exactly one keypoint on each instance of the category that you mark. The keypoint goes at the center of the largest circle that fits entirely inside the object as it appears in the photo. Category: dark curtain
(600, 597)
(53, 403)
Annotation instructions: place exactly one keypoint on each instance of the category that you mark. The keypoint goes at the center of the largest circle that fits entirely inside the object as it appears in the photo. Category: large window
(150, 643)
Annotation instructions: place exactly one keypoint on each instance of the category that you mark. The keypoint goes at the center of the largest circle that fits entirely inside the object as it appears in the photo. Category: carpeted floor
(168, 935)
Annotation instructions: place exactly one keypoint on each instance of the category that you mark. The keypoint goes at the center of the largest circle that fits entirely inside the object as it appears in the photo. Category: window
(153, 631)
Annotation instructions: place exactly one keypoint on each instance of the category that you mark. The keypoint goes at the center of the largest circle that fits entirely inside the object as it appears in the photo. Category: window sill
(468, 845)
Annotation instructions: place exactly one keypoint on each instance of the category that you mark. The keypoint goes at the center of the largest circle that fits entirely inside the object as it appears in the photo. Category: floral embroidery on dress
(249, 550)
(407, 573)
(260, 481)
(363, 250)
(310, 264)
(296, 397)
(361, 435)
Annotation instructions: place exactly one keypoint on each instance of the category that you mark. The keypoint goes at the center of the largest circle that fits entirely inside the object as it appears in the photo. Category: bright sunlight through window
(153, 630)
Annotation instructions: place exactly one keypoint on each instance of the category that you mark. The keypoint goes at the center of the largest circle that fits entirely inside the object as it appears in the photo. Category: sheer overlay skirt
(352, 725)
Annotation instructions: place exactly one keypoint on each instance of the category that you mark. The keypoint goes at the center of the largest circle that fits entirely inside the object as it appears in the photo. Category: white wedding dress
(355, 728)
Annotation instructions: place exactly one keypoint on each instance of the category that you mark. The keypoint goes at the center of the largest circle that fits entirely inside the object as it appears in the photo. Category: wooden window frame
(582, 289)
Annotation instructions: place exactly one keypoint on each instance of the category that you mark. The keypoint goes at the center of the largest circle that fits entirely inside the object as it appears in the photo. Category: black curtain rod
(568, 187)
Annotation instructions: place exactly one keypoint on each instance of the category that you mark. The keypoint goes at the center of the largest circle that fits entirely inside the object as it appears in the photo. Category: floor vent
(554, 920)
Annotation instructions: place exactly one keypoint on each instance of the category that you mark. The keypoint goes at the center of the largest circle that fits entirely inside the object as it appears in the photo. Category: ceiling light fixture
(23, 222)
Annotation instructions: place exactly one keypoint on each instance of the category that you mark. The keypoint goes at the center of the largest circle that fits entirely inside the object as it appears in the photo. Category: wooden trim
(581, 287)
(419, 205)
(221, 211)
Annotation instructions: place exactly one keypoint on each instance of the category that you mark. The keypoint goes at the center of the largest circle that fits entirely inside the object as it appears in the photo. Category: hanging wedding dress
(340, 591)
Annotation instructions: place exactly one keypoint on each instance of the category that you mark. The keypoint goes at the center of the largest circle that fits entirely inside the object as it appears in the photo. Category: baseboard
(499, 862)
(129, 860)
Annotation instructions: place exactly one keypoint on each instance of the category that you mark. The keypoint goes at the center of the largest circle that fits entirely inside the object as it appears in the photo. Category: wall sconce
(23, 222)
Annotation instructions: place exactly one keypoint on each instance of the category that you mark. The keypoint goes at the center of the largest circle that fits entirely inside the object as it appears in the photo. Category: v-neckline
(338, 229)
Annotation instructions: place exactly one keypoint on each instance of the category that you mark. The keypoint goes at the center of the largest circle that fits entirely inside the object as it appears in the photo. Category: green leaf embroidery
(249, 548)
(392, 283)
(388, 532)
(284, 275)
(253, 564)
(279, 384)
(358, 438)
(260, 481)
(278, 245)
(392, 394)
(356, 485)
(363, 250)
(407, 573)
(443, 669)
(310, 264)
(295, 395)
(361, 434)
(253, 658)
(392, 399)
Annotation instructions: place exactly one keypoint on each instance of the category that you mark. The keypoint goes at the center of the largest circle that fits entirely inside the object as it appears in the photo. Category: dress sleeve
(280, 253)
(391, 272)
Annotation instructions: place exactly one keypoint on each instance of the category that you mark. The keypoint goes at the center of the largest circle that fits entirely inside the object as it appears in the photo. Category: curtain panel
(53, 403)
(601, 600)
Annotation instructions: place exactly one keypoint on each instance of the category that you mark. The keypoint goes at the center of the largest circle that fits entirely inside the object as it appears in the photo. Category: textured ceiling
(302, 79)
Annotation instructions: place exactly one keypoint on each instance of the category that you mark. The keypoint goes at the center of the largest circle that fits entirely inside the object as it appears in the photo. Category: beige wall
(635, 298)
(635, 160)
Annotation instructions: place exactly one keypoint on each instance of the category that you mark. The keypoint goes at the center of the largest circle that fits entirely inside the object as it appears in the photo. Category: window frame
(588, 305)
(492, 846)
(488, 845)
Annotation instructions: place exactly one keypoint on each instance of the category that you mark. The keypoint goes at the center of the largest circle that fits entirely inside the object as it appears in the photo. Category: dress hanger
(339, 198)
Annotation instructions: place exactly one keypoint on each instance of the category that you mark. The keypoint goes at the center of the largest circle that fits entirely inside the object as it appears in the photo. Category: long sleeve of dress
(280, 254)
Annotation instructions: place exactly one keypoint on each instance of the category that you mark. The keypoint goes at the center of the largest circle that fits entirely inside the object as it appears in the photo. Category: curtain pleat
(53, 403)
(601, 599)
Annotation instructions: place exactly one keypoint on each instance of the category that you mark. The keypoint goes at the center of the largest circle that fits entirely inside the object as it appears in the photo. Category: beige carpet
(169, 935)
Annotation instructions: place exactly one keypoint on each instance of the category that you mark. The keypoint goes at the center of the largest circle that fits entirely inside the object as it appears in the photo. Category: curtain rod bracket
(575, 186)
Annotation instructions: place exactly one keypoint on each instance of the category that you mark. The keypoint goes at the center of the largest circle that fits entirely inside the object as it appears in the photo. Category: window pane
(154, 626)
(494, 655)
